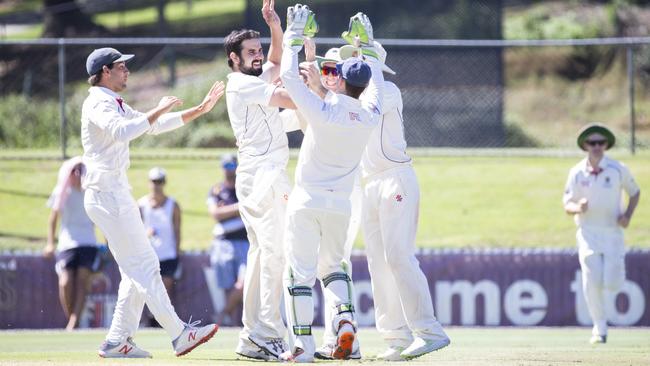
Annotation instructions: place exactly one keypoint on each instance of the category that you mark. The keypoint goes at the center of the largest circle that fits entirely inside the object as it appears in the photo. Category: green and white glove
(360, 34)
(301, 22)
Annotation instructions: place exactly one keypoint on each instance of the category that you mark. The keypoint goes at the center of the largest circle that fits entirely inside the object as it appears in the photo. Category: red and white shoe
(192, 337)
(344, 341)
(125, 349)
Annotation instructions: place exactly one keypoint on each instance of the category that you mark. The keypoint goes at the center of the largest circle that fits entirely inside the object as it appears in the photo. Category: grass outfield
(470, 346)
(465, 201)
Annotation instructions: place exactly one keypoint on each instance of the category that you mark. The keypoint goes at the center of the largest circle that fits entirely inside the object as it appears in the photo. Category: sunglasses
(596, 142)
(158, 181)
(329, 71)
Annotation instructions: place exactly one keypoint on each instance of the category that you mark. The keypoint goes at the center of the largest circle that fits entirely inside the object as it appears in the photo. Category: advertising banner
(490, 287)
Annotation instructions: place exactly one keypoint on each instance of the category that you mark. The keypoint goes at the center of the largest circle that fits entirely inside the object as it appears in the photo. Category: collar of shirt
(104, 93)
(107, 94)
(587, 168)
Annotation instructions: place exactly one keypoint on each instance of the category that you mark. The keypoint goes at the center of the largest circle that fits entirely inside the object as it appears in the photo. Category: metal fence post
(62, 132)
(630, 80)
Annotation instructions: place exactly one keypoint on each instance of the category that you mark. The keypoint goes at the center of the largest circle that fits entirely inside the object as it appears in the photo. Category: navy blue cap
(355, 72)
(104, 56)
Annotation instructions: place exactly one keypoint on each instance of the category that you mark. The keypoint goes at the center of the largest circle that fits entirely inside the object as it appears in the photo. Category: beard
(252, 70)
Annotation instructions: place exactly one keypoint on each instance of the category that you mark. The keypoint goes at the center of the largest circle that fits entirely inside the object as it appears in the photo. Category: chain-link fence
(483, 93)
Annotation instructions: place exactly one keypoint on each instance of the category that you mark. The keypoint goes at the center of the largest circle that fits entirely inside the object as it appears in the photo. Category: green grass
(466, 201)
(175, 12)
(470, 346)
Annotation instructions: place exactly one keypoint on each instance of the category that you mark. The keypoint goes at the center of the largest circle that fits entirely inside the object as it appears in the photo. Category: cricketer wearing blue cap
(318, 210)
(108, 124)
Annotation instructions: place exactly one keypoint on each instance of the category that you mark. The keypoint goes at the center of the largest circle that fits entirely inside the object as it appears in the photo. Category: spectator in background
(76, 249)
(161, 216)
(230, 243)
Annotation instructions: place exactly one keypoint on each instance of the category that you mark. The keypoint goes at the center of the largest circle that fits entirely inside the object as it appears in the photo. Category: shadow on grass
(15, 192)
(5, 235)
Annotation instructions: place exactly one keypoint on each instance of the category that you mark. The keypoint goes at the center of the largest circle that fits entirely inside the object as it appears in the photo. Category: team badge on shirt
(399, 198)
(608, 182)
(355, 117)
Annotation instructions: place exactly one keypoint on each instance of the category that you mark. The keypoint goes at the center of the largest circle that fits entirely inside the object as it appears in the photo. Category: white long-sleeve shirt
(386, 147)
(602, 188)
(106, 130)
(259, 132)
(337, 133)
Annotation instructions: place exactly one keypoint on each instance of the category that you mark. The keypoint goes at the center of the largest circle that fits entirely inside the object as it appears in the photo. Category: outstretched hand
(271, 18)
(359, 31)
(168, 103)
(213, 96)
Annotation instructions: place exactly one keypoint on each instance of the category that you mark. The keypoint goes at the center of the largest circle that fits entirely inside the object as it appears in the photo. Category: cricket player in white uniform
(322, 78)
(262, 184)
(593, 196)
(108, 124)
(318, 212)
(404, 315)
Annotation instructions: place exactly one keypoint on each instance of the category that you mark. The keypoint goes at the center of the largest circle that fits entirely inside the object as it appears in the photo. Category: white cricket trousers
(356, 206)
(118, 217)
(315, 240)
(264, 221)
(602, 261)
(403, 305)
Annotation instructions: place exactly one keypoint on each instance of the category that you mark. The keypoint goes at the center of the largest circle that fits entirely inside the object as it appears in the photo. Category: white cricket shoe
(345, 338)
(273, 347)
(393, 353)
(597, 339)
(298, 355)
(192, 337)
(125, 349)
(421, 347)
(325, 351)
(248, 349)
(303, 350)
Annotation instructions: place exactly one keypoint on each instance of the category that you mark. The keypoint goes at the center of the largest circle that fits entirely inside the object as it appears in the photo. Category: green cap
(596, 128)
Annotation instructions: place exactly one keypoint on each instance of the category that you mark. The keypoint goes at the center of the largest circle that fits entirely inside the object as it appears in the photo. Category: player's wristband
(297, 42)
(370, 52)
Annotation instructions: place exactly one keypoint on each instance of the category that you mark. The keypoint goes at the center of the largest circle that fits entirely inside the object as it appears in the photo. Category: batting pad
(300, 307)
(338, 296)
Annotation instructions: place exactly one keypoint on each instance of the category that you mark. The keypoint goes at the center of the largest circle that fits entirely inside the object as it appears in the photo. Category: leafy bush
(28, 123)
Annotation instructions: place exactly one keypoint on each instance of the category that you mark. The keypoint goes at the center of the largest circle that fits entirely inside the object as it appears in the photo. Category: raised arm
(361, 34)
(307, 102)
(275, 26)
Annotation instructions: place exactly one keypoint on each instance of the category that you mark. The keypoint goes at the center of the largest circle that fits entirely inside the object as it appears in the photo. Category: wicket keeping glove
(301, 22)
(360, 34)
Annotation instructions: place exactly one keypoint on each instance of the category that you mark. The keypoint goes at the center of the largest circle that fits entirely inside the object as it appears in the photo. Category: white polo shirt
(259, 132)
(386, 147)
(77, 230)
(602, 188)
(106, 130)
(161, 220)
(337, 133)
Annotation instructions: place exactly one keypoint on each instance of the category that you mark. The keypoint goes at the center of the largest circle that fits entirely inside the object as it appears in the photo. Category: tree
(64, 18)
